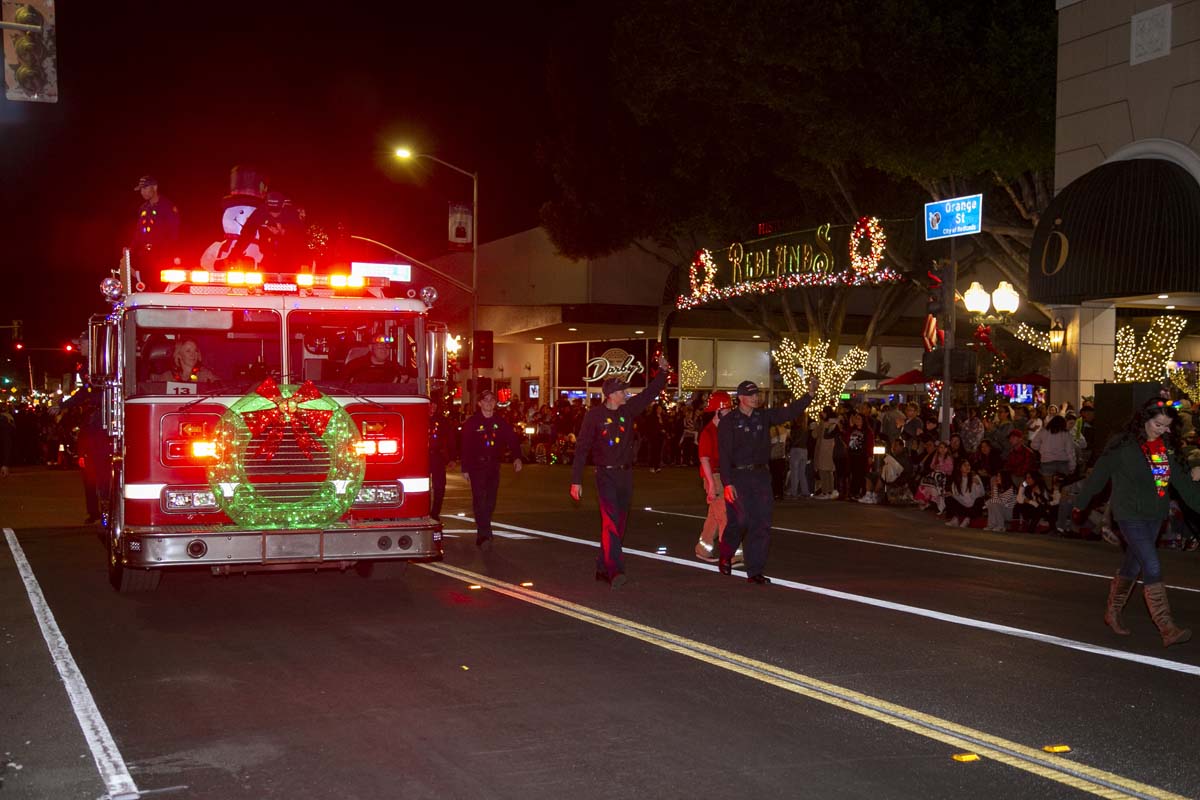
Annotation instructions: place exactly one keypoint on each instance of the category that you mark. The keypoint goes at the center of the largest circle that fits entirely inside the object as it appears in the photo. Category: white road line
(950, 553)
(941, 616)
(453, 533)
(108, 758)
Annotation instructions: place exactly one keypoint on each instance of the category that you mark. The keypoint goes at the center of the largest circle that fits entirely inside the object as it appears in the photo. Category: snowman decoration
(246, 192)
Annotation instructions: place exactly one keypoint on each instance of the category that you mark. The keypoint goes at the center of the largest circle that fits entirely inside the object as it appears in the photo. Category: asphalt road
(887, 646)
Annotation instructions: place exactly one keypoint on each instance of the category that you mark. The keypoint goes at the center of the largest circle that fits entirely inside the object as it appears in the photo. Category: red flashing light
(20, 345)
(70, 348)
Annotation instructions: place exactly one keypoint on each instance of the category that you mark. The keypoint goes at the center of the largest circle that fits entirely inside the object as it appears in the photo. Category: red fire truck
(265, 421)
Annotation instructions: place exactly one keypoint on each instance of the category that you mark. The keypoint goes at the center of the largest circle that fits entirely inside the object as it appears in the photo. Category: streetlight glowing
(403, 152)
(1005, 298)
(976, 298)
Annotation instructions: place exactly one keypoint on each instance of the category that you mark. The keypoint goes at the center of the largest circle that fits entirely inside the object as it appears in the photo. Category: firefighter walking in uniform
(485, 436)
(744, 450)
(607, 436)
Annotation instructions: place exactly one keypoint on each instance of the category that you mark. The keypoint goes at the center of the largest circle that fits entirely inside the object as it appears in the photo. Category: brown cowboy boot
(1118, 594)
(1160, 612)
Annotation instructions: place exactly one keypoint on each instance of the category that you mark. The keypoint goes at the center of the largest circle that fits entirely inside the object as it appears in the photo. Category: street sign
(957, 216)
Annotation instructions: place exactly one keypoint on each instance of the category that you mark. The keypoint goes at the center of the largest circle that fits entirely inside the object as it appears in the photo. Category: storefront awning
(1126, 228)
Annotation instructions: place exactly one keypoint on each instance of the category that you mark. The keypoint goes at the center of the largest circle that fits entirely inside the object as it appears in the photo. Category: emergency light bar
(199, 281)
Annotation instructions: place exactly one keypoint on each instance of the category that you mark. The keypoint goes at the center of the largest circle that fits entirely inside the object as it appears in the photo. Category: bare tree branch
(1022, 209)
(837, 179)
(789, 316)
(749, 320)
(655, 254)
(1009, 230)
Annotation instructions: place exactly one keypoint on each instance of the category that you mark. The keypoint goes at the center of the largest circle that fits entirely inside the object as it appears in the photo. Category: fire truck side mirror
(102, 350)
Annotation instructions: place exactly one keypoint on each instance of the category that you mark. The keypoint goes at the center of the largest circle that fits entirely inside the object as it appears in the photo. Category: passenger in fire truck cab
(188, 365)
(377, 366)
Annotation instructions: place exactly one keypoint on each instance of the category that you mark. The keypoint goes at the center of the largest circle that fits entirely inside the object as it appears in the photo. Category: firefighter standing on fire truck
(157, 231)
(607, 436)
(485, 436)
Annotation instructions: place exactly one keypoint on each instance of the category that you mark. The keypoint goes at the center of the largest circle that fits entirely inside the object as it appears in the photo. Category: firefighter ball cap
(487, 394)
(747, 388)
(144, 181)
(614, 385)
(717, 400)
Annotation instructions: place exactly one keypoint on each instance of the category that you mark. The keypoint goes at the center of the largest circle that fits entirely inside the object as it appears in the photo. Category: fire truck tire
(381, 570)
(128, 581)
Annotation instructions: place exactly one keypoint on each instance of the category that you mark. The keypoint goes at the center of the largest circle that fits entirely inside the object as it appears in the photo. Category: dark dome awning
(1126, 228)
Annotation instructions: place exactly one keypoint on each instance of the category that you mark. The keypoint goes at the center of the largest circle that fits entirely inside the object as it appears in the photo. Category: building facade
(1122, 235)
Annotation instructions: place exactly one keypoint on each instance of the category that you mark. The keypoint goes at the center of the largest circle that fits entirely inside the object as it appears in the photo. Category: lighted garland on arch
(832, 375)
(703, 271)
(1147, 360)
(869, 228)
(255, 427)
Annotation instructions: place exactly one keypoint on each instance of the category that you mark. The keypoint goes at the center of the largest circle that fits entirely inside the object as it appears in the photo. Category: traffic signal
(934, 305)
(33, 75)
(20, 345)
(483, 349)
(70, 348)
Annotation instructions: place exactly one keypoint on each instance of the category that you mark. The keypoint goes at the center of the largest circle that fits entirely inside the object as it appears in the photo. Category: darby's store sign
(823, 256)
(612, 363)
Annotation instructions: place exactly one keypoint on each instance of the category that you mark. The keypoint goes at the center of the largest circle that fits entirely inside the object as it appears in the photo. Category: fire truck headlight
(184, 499)
(379, 494)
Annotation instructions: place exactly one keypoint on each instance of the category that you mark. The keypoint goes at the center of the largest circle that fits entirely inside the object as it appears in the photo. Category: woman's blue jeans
(1141, 552)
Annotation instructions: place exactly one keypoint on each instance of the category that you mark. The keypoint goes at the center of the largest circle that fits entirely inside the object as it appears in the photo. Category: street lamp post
(979, 301)
(405, 153)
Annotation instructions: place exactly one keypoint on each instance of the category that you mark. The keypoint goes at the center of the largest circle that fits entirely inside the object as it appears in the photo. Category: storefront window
(743, 361)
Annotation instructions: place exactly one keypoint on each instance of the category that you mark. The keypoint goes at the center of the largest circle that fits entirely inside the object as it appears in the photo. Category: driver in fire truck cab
(377, 366)
(187, 365)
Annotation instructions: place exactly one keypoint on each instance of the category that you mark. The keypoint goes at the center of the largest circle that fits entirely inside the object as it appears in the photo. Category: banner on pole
(462, 226)
(30, 68)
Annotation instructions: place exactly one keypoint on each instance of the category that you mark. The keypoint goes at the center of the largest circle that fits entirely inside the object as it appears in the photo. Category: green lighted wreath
(253, 428)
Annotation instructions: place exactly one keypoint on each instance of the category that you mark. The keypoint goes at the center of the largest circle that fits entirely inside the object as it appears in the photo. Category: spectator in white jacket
(965, 501)
(1056, 448)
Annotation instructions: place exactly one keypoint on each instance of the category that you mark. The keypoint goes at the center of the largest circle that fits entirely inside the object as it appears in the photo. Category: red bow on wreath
(308, 424)
(983, 335)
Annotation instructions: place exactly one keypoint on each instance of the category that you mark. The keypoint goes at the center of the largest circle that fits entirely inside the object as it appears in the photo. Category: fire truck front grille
(289, 475)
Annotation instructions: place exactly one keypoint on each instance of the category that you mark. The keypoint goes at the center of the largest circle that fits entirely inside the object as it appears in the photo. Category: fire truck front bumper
(340, 544)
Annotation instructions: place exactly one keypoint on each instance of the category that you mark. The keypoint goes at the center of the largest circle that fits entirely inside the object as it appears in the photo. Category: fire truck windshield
(197, 350)
(369, 351)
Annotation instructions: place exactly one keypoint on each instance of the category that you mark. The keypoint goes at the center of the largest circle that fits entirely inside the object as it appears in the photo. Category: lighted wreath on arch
(255, 426)
(870, 229)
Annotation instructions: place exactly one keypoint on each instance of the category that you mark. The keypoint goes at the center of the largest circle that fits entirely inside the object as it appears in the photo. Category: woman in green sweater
(1142, 462)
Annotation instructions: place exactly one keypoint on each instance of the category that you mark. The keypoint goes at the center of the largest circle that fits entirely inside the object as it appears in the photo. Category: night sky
(317, 96)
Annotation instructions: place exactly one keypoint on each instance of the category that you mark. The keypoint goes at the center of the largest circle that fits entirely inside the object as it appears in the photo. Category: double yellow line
(1069, 773)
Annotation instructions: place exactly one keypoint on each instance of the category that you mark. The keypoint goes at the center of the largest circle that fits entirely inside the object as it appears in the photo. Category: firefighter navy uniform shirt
(484, 440)
(745, 440)
(607, 435)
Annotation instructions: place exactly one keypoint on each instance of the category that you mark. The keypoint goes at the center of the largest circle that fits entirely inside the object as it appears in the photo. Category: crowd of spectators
(1010, 468)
